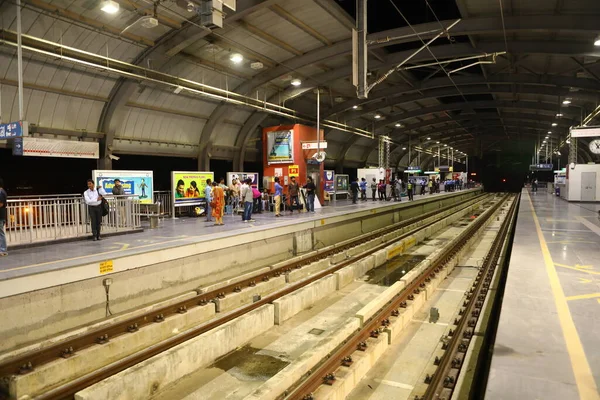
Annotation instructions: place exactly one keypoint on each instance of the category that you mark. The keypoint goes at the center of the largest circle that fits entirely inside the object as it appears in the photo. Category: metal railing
(164, 200)
(35, 219)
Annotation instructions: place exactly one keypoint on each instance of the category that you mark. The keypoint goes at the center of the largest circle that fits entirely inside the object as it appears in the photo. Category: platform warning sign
(106, 267)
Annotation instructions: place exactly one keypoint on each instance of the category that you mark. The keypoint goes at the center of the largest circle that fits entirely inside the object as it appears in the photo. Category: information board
(328, 179)
(188, 187)
(13, 130)
(140, 183)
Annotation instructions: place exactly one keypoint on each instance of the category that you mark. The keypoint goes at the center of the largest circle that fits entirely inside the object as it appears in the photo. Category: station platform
(172, 240)
(548, 343)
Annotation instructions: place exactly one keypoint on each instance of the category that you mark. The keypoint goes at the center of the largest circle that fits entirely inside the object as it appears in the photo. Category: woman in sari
(218, 205)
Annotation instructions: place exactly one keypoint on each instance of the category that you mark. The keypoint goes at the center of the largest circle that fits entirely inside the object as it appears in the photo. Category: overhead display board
(140, 183)
(188, 187)
(42, 147)
(585, 131)
(541, 167)
(444, 168)
(280, 147)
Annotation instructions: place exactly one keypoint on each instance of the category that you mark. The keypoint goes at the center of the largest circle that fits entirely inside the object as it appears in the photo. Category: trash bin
(557, 190)
(153, 221)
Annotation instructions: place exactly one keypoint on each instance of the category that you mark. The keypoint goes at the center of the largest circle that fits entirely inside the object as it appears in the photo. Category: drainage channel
(324, 315)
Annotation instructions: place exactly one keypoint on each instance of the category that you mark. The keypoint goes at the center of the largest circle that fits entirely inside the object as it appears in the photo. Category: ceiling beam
(280, 11)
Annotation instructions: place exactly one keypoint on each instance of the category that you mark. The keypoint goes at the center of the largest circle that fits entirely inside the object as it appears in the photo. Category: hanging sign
(444, 168)
(541, 167)
(313, 145)
(280, 147)
(585, 131)
(14, 129)
(42, 147)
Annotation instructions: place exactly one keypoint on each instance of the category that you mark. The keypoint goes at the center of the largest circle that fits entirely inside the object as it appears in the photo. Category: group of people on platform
(397, 187)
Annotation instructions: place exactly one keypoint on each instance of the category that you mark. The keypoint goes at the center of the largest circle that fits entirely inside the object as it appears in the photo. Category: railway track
(325, 372)
(443, 382)
(26, 363)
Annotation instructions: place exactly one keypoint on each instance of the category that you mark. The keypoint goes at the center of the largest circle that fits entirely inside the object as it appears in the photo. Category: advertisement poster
(241, 176)
(328, 179)
(188, 187)
(342, 183)
(140, 183)
(280, 147)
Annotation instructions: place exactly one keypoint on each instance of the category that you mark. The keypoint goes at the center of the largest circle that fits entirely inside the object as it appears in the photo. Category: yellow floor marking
(583, 296)
(586, 385)
(571, 241)
(585, 280)
(587, 271)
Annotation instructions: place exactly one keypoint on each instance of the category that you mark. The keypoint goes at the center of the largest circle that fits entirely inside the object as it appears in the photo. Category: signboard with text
(314, 145)
(294, 170)
(188, 187)
(585, 131)
(541, 167)
(13, 130)
(140, 183)
(42, 147)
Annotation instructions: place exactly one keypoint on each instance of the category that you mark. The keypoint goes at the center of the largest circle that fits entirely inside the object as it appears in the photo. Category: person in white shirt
(93, 199)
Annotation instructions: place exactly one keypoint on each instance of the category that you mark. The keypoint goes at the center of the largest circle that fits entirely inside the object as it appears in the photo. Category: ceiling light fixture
(568, 141)
(236, 58)
(296, 82)
(404, 148)
(549, 132)
(445, 145)
(110, 6)
(355, 107)
(398, 125)
(377, 116)
(428, 138)
(554, 124)
(559, 115)
(544, 141)
(437, 142)
(597, 41)
(566, 101)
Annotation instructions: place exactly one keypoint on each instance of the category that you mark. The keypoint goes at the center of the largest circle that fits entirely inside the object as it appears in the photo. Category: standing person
(381, 189)
(363, 189)
(430, 186)
(3, 219)
(294, 190)
(409, 189)
(235, 194)
(208, 198)
(248, 198)
(218, 203)
(399, 189)
(256, 196)
(373, 188)
(354, 187)
(118, 190)
(265, 200)
(422, 187)
(278, 195)
(311, 189)
(93, 199)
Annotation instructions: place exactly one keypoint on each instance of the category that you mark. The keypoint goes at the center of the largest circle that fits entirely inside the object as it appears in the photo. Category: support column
(573, 151)
(360, 50)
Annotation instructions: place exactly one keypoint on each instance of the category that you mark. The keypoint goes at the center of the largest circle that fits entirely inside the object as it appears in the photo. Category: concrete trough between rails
(63, 370)
(367, 312)
(284, 379)
(291, 304)
(146, 378)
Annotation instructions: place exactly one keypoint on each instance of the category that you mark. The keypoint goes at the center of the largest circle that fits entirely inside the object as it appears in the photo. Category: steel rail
(443, 381)
(304, 390)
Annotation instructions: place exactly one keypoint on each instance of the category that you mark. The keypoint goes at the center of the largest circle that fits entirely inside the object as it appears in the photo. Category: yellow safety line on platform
(586, 385)
(583, 296)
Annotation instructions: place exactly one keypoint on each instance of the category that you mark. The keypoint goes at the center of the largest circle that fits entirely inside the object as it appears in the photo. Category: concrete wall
(39, 314)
